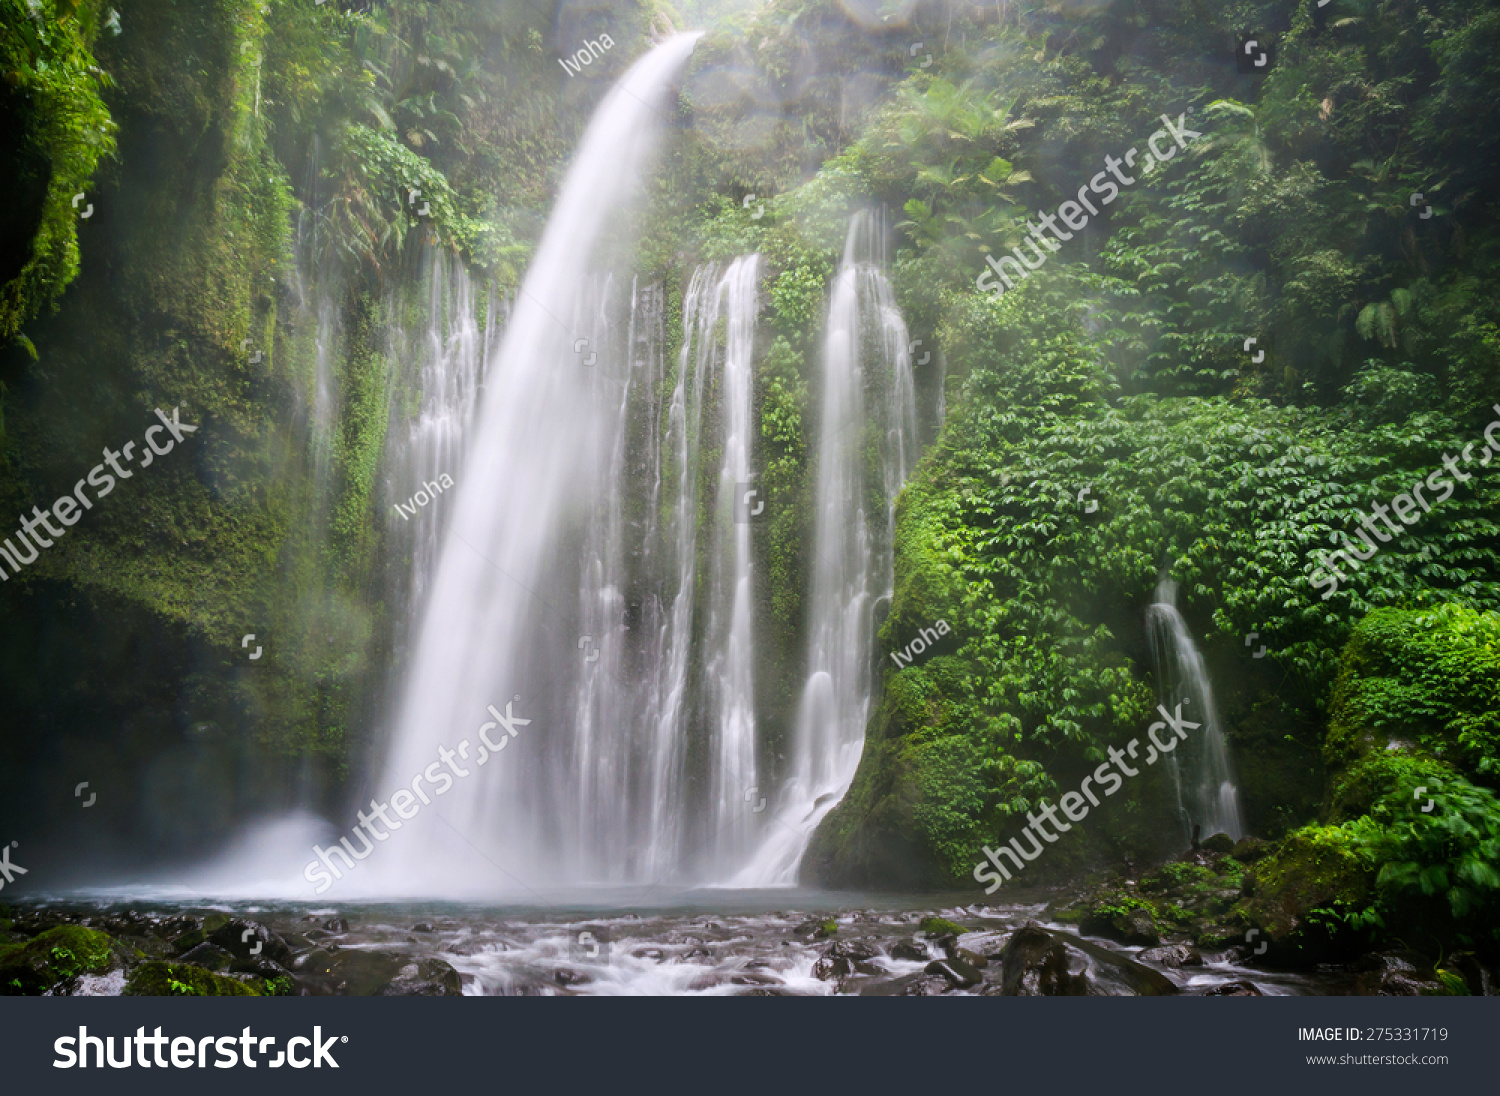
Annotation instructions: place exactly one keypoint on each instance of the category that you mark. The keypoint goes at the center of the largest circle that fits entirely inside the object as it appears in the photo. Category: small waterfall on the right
(1207, 794)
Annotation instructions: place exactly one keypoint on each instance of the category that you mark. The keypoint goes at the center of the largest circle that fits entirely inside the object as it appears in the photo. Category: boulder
(1220, 843)
(246, 939)
(158, 979)
(567, 977)
(908, 985)
(207, 956)
(56, 956)
(974, 959)
(1037, 962)
(1234, 989)
(829, 968)
(909, 949)
(1172, 956)
(1397, 974)
(368, 972)
(1125, 919)
(1247, 850)
(852, 950)
(960, 974)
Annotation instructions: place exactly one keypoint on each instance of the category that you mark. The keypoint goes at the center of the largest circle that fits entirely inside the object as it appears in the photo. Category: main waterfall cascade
(499, 628)
(591, 568)
(1202, 771)
(867, 387)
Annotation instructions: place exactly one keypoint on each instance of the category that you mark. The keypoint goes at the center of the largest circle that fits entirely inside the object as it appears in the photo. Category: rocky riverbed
(1177, 930)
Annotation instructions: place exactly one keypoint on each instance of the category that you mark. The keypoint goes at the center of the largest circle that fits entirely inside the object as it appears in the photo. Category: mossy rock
(1126, 918)
(54, 957)
(1248, 850)
(1314, 872)
(158, 979)
(1358, 788)
(940, 926)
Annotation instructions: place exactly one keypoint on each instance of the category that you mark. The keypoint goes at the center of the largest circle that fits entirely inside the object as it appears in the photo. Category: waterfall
(1201, 768)
(500, 629)
(448, 357)
(867, 390)
(728, 655)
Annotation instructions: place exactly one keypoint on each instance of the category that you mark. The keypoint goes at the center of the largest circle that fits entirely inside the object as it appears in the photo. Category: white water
(1207, 795)
(729, 652)
(499, 627)
(867, 386)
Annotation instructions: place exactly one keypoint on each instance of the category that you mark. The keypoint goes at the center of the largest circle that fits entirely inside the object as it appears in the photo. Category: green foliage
(1430, 678)
(52, 102)
(1438, 868)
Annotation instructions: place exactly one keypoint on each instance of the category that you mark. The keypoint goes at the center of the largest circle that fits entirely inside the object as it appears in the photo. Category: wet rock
(1037, 962)
(368, 973)
(1172, 956)
(754, 978)
(908, 985)
(1479, 978)
(961, 974)
(423, 978)
(565, 977)
(974, 959)
(157, 979)
(1122, 921)
(654, 954)
(926, 985)
(698, 953)
(421, 926)
(909, 949)
(1220, 843)
(207, 956)
(336, 924)
(829, 968)
(1247, 850)
(1235, 989)
(56, 956)
(986, 944)
(279, 981)
(243, 939)
(1397, 974)
(316, 961)
(852, 950)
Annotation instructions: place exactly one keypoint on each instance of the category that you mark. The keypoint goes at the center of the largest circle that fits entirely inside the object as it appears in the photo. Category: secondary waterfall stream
(1207, 795)
(867, 389)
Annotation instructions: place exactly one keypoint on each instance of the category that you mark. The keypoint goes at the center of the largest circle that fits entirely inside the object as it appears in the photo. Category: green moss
(939, 926)
(158, 979)
(54, 956)
(54, 84)
(1310, 892)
